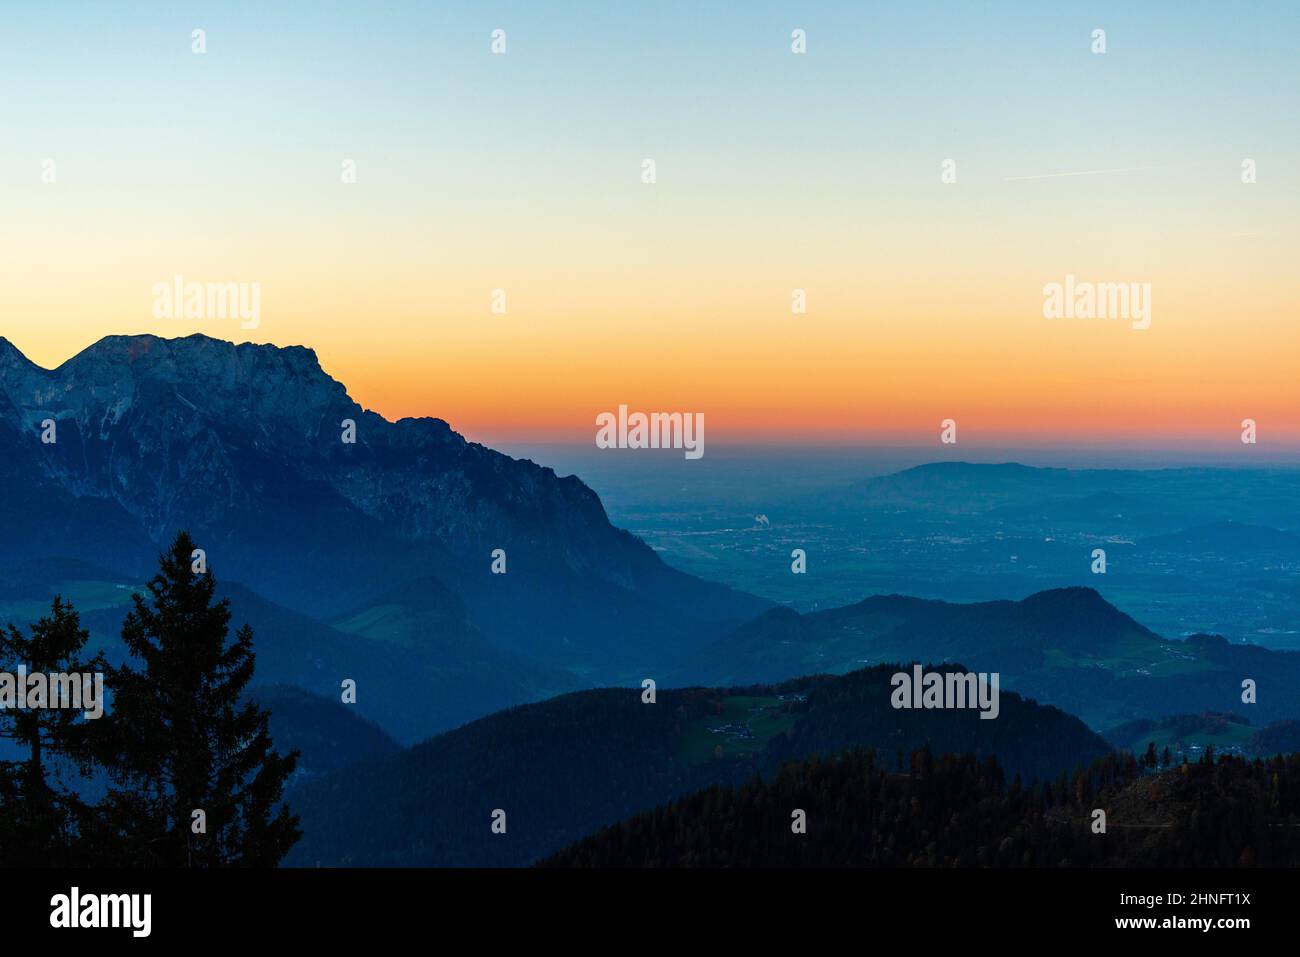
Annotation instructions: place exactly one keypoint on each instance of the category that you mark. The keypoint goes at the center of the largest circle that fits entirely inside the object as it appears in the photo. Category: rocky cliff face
(243, 445)
(189, 430)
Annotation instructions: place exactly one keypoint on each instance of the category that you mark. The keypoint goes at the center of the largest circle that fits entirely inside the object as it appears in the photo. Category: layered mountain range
(373, 560)
(1067, 646)
(244, 446)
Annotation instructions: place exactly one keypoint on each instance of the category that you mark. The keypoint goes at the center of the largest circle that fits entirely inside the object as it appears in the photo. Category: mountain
(243, 446)
(328, 735)
(1098, 502)
(419, 665)
(970, 532)
(1068, 647)
(37, 511)
(962, 486)
(958, 811)
(412, 683)
(1076, 622)
(562, 768)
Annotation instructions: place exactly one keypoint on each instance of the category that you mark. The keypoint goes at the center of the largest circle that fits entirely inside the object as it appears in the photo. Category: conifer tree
(197, 782)
(40, 817)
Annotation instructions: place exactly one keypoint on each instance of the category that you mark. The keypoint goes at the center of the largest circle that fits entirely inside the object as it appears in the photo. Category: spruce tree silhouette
(41, 818)
(180, 741)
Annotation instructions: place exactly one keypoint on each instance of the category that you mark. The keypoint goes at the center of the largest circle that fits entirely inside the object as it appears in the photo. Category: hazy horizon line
(1146, 456)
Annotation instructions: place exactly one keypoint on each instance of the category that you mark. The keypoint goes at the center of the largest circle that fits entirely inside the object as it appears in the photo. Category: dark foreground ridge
(960, 811)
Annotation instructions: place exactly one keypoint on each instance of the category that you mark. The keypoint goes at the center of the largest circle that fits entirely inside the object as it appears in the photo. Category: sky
(774, 172)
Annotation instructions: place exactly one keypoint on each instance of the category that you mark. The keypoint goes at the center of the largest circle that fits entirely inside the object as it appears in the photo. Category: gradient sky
(775, 172)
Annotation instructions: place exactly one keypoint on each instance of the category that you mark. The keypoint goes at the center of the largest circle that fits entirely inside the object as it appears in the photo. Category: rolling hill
(562, 768)
(1067, 647)
(419, 665)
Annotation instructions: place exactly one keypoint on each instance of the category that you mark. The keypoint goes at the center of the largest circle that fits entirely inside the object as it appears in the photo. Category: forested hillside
(962, 811)
(562, 768)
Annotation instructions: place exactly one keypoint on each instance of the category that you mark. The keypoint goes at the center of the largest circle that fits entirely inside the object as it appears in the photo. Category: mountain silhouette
(244, 447)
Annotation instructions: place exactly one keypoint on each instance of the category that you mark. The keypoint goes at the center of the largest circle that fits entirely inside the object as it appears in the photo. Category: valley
(368, 562)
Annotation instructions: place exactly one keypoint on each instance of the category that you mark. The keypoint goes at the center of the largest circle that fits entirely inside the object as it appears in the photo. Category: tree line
(954, 810)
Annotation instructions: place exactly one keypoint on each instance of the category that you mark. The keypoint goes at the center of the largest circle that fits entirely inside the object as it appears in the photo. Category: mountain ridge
(247, 448)
(1067, 647)
(563, 767)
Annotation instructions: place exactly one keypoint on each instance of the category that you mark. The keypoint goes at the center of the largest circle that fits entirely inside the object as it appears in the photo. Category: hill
(328, 735)
(450, 672)
(565, 767)
(1068, 647)
(1100, 502)
(958, 811)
